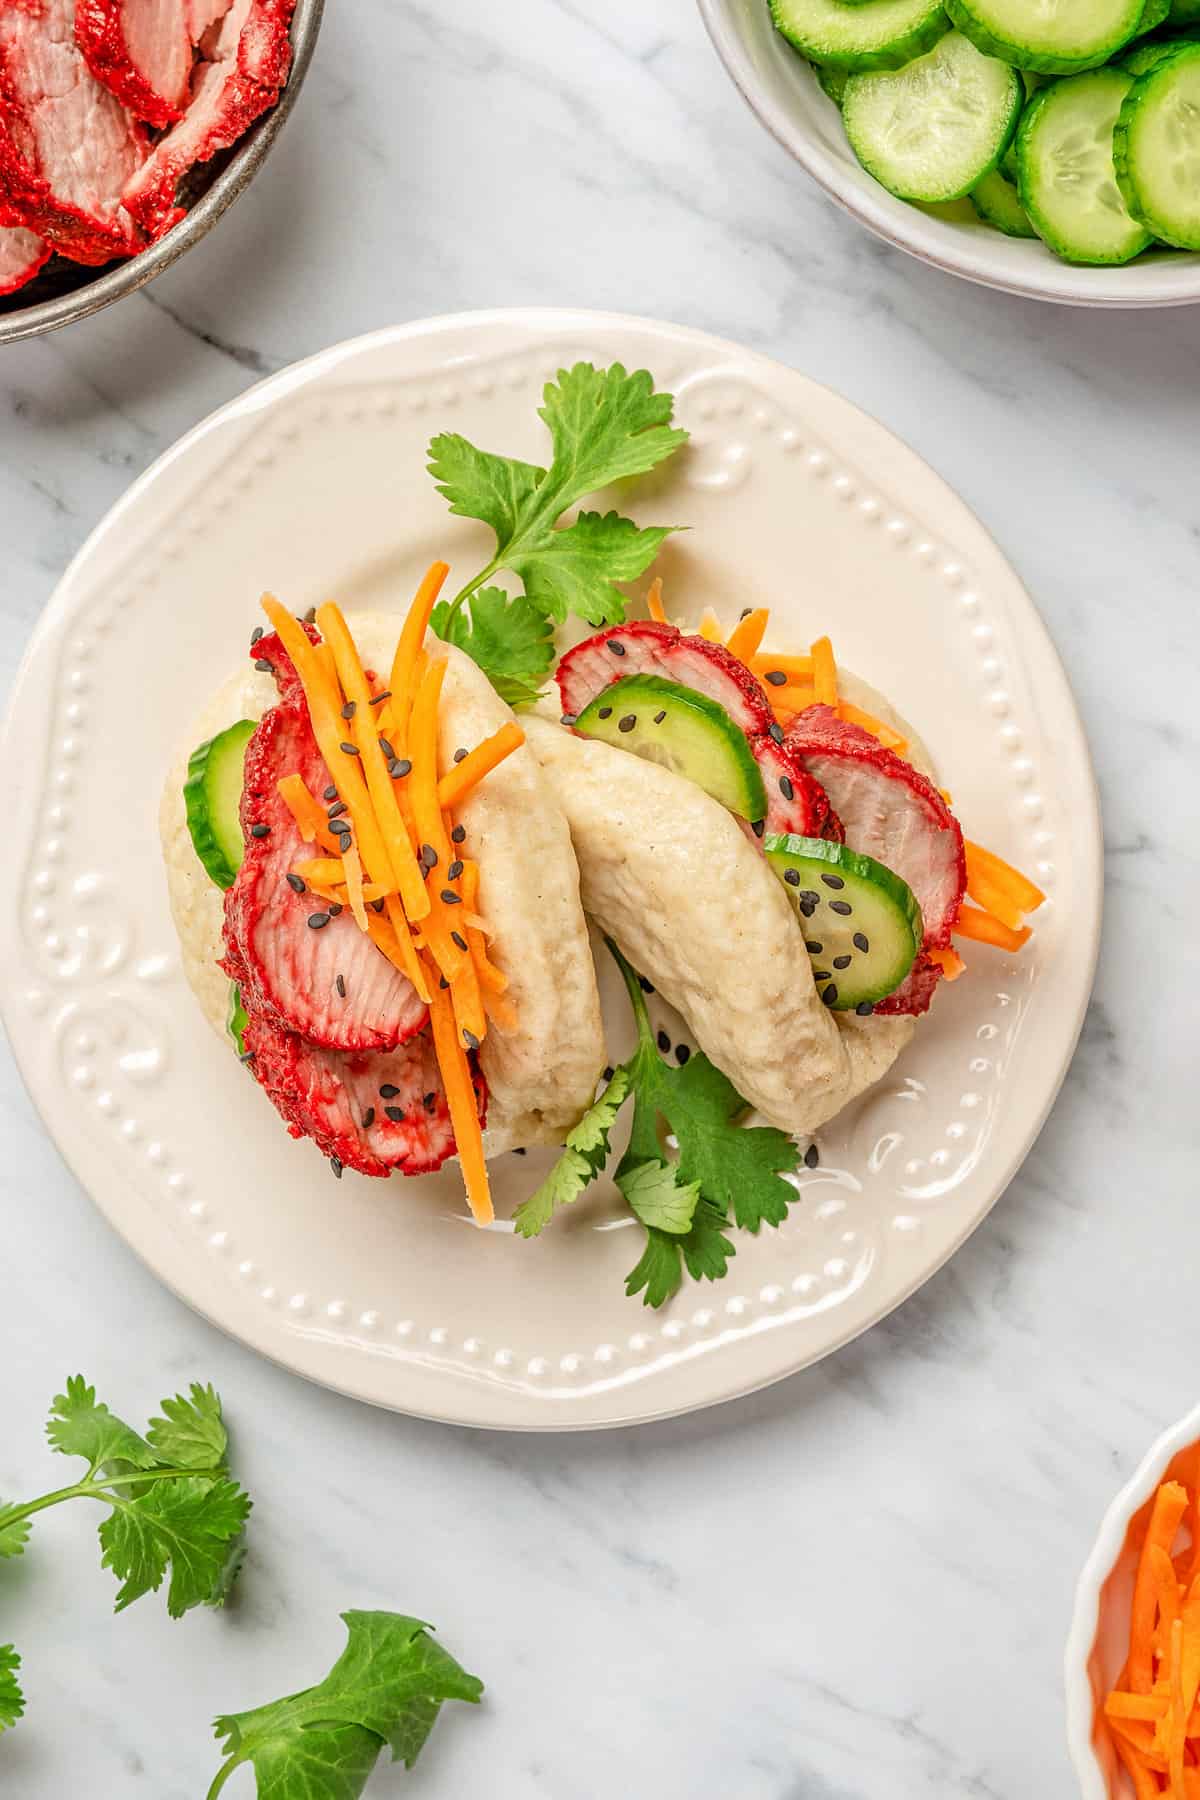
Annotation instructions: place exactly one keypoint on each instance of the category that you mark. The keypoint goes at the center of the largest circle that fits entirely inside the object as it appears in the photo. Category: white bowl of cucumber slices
(1049, 148)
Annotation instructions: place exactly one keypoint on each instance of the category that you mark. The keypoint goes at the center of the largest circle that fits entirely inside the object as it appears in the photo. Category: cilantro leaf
(704, 1249)
(582, 1160)
(12, 1700)
(573, 571)
(81, 1426)
(510, 638)
(191, 1525)
(191, 1434)
(14, 1535)
(385, 1690)
(658, 1196)
(479, 485)
(606, 425)
(738, 1166)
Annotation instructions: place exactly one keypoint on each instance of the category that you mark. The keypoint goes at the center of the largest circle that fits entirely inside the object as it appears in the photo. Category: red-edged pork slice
(67, 146)
(891, 812)
(141, 51)
(247, 55)
(796, 803)
(915, 992)
(371, 1112)
(22, 254)
(644, 647)
(327, 980)
(202, 15)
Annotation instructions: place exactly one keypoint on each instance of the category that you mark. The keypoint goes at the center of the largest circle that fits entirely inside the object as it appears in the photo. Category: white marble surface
(852, 1587)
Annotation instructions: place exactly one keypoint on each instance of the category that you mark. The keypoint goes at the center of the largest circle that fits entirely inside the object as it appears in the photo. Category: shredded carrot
(949, 961)
(310, 816)
(458, 781)
(746, 636)
(854, 715)
(796, 668)
(709, 627)
(654, 603)
(1178, 1715)
(431, 827)
(1145, 1786)
(984, 929)
(491, 979)
(1170, 1503)
(824, 673)
(1003, 878)
(352, 864)
(460, 1097)
(403, 680)
(1147, 1707)
(993, 899)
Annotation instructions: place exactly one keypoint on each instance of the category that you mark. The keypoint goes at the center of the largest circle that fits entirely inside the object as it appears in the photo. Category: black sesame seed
(822, 975)
(264, 665)
(429, 857)
(335, 907)
(260, 831)
(861, 941)
(758, 826)
(429, 1101)
(627, 723)
(520, 1152)
(394, 1113)
(833, 881)
(456, 937)
(378, 905)
(247, 1056)
(608, 1073)
(606, 712)
(329, 794)
(810, 899)
(255, 635)
(458, 835)
(792, 877)
(337, 809)
(841, 962)
(443, 983)
(389, 1090)
(459, 755)
(451, 898)
(337, 1165)
(841, 906)
(682, 1052)
(569, 718)
(745, 613)
(368, 1118)
(340, 985)
(776, 677)
(350, 749)
(454, 871)
(647, 987)
(387, 749)
(811, 1157)
(865, 1008)
(296, 883)
(660, 716)
(310, 617)
(786, 788)
(830, 994)
(350, 708)
(664, 1042)
(812, 946)
(317, 920)
(617, 648)
(775, 732)
(378, 699)
(470, 1040)
(400, 767)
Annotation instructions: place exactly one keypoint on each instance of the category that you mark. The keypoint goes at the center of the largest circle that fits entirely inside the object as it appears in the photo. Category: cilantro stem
(464, 594)
(222, 1776)
(634, 988)
(99, 1490)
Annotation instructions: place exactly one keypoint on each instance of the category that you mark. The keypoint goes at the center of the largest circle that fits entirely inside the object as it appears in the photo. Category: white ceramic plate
(313, 484)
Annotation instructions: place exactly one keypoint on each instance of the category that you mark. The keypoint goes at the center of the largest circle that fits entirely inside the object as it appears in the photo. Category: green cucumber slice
(236, 1018)
(833, 82)
(1145, 56)
(1156, 148)
(933, 129)
(212, 797)
(1153, 14)
(1065, 170)
(1056, 37)
(998, 203)
(862, 924)
(883, 34)
(683, 730)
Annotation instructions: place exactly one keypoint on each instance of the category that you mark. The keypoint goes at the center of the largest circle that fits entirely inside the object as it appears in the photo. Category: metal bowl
(65, 291)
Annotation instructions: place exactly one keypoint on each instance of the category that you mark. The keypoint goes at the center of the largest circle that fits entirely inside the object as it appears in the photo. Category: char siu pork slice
(796, 802)
(915, 992)
(22, 254)
(371, 1112)
(246, 56)
(67, 146)
(140, 50)
(325, 980)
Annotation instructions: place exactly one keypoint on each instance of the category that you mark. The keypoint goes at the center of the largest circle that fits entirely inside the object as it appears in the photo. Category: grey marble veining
(854, 1586)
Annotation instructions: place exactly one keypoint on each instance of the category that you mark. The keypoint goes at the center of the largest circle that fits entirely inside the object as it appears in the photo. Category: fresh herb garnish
(685, 1202)
(605, 425)
(172, 1505)
(384, 1692)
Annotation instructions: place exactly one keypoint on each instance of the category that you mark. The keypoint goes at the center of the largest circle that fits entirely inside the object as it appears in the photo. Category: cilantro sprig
(173, 1508)
(384, 1692)
(605, 425)
(683, 1202)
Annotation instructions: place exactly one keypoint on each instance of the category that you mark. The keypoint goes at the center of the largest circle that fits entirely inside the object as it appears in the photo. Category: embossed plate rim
(734, 1358)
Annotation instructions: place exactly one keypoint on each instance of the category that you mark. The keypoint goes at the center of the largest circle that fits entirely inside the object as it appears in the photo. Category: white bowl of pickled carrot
(1100, 1646)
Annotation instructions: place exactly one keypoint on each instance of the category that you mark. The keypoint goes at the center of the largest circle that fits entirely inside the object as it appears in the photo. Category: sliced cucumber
(212, 798)
(1156, 148)
(833, 82)
(683, 730)
(933, 129)
(1065, 173)
(882, 34)
(236, 1018)
(998, 203)
(862, 924)
(1145, 56)
(1153, 14)
(1056, 37)
(1184, 12)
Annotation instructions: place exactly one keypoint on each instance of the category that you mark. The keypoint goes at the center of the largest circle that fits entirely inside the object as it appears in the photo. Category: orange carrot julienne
(1148, 1708)
(464, 1111)
(311, 820)
(949, 961)
(746, 636)
(492, 980)
(993, 899)
(985, 929)
(352, 864)
(1145, 1786)
(796, 668)
(1178, 1715)
(824, 673)
(1170, 1503)
(654, 604)
(854, 715)
(709, 627)
(427, 815)
(458, 781)
(1022, 892)
(403, 680)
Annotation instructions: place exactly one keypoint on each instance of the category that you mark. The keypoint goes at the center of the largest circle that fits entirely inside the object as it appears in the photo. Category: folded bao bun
(673, 878)
(542, 1074)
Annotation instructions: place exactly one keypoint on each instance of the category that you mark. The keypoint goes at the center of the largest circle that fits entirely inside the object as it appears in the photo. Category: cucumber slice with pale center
(998, 203)
(1156, 148)
(1065, 172)
(862, 925)
(883, 34)
(1055, 37)
(933, 129)
(212, 798)
(236, 1018)
(685, 732)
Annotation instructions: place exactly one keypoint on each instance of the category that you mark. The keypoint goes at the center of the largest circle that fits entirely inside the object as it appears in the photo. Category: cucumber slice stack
(960, 99)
